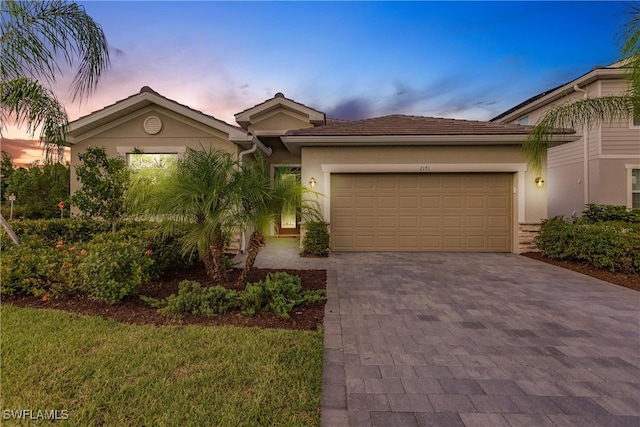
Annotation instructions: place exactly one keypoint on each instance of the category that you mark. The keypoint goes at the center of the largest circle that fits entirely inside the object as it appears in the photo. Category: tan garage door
(421, 212)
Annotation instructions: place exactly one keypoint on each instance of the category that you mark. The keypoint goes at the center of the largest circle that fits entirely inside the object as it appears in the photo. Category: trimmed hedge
(610, 245)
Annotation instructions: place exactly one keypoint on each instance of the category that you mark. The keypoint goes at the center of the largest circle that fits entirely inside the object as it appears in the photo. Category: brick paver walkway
(454, 339)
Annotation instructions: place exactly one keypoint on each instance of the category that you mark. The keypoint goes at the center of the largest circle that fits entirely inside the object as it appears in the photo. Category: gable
(278, 115)
(135, 126)
(278, 122)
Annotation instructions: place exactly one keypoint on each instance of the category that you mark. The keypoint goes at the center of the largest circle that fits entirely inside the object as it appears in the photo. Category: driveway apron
(456, 339)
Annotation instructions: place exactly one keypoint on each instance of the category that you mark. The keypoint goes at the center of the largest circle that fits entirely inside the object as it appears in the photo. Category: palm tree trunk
(256, 242)
(214, 260)
(9, 230)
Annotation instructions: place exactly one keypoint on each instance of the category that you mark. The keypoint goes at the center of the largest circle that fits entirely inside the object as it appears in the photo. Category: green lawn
(106, 373)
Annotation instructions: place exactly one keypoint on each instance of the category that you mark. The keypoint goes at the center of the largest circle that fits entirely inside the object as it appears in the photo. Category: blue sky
(352, 60)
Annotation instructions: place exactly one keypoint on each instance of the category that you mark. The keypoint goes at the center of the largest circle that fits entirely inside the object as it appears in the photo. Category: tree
(6, 170)
(39, 189)
(199, 190)
(35, 36)
(104, 184)
(592, 111)
(263, 201)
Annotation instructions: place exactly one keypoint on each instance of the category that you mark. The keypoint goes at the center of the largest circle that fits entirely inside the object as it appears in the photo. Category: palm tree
(201, 190)
(592, 111)
(35, 36)
(263, 201)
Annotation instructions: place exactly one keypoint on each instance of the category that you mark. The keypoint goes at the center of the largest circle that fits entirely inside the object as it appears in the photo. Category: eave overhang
(561, 92)
(295, 143)
(148, 98)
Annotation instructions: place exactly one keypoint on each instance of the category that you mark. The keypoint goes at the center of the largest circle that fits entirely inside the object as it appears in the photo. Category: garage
(422, 212)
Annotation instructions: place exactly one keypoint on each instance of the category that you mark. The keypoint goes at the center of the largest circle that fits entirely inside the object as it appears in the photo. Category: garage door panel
(408, 243)
(408, 202)
(497, 202)
(430, 221)
(452, 221)
(365, 222)
(388, 222)
(474, 202)
(477, 221)
(408, 221)
(430, 202)
(475, 243)
(390, 202)
(421, 212)
(452, 202)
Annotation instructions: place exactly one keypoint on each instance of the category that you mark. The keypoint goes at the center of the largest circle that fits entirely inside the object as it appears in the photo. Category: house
(602, 165)
(394, 183)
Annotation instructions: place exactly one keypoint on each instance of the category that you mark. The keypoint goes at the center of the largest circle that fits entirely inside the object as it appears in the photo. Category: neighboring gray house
(603, 165)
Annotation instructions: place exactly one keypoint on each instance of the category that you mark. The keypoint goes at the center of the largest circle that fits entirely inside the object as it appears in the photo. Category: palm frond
(36, 35)
(27, 103)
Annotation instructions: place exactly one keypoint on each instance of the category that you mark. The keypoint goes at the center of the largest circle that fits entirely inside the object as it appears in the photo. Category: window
(635, 188)
(151, 166)
(138, 161)
(523, 120)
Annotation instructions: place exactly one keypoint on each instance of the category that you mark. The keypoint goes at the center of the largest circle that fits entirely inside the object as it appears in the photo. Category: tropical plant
(104, 183)
(592, 111)
(200, 190)
(35, 37)
(263, 201)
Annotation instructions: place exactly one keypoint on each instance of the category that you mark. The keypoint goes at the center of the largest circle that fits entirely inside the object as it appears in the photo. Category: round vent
(152, 125)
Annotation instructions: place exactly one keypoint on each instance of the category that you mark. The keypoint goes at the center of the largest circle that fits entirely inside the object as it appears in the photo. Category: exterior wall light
(539, 182)
(312, 182)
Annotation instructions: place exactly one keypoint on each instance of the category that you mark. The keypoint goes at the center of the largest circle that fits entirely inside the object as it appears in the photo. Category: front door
(289, 223)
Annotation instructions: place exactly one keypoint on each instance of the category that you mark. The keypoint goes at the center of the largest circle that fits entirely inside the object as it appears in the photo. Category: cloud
(351, 109)
(22, 151)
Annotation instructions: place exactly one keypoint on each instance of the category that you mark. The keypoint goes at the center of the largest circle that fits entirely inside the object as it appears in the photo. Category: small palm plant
(263, 201)
(201, 189)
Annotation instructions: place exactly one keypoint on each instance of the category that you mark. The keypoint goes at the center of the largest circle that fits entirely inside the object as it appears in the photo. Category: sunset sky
(352, 60)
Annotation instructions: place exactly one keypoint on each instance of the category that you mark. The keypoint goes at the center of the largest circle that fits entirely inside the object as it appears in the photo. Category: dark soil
(631, 281)
(134, 310)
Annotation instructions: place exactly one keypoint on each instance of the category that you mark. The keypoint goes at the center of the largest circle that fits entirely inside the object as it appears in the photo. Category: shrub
(114, 268)
(52, 231)
(192, 298)
(611, 245)
(601, 213)
(38, 269)
(556, 238)
(316, 241)
(277, 294)
(26, 268)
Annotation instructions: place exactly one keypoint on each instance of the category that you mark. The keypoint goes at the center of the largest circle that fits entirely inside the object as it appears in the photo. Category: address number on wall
(424, 168)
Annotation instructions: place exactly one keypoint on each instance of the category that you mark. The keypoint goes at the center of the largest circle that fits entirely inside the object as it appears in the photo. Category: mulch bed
(134, 310)
(631, 281)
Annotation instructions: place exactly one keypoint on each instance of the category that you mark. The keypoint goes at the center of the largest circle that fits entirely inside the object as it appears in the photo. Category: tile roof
(411, 125)
(276, 96)
(147, 89)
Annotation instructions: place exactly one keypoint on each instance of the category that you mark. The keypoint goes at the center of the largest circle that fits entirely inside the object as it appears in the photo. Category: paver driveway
(452, 339)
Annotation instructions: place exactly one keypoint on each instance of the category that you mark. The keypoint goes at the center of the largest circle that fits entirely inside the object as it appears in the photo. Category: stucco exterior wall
(278, 121)
(177, 134)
